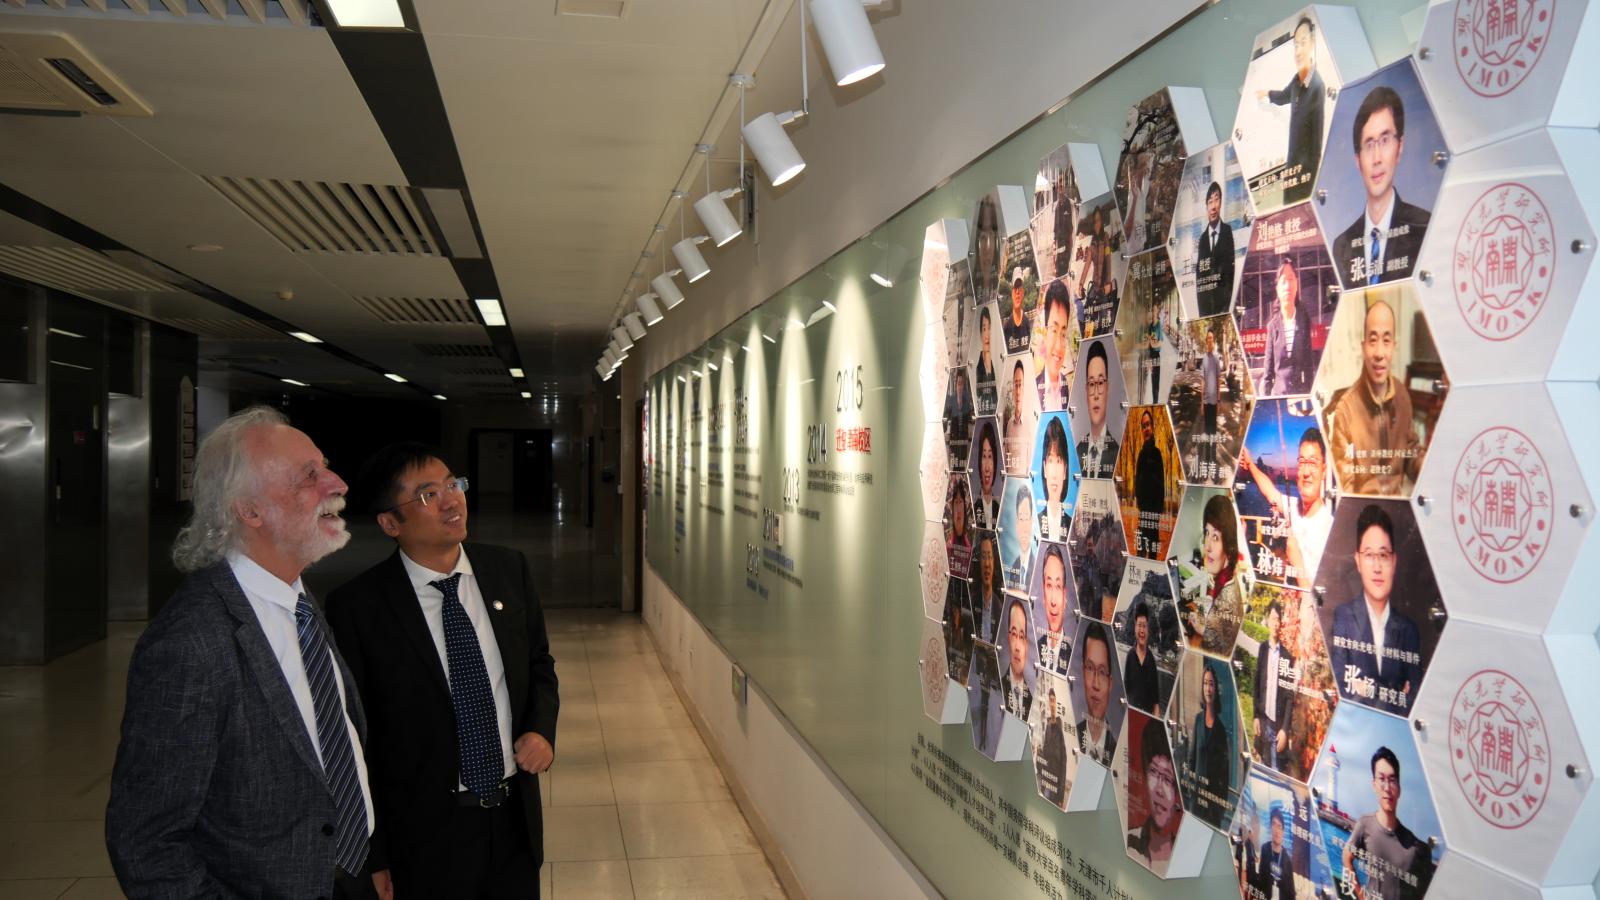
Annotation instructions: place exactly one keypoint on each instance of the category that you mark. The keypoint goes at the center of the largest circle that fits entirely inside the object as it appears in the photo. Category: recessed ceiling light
(493, 314)
(65, 333)
(440, 397)
(527, 395)
(367, 13)
(516, 372)
(205, 248)
(293, 382)
(394, 378)
(308, 338)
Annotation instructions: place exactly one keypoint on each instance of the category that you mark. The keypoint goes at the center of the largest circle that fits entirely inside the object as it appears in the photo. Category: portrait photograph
(1148, 478)
(958, 416)
(986, 587)
(1055, 346)
(959, 312)
(1211, 227)
(1277, 839)
(1287, 295)
(960, 533)
(1213, 574)
(1378, 822)
(1017, 659)
(1207, 740)
(1098, 417)
(1284, 678)
(1096, 678)
(1379, 180)
(1056, 476)
(1147, 329)
(1018, 300)
(1285, 106)
(985, 698)
(958, 630)
(987, 473)
(1380, 387)
(1054, 608)
(1098, 550)
(1053, 218)
(1284, 491)
(1382, 612)
(985, 348)
(1098, 267)
(987, 240)
(1148, 170)
(1211, 400)
(1154, 806)
(1055, 758)
(1019, 413)
(1148, 635)
(1018, 533)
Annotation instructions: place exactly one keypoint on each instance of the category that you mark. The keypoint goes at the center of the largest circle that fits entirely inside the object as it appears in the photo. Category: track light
(635, 325)
(623, 338)
(847, 39)
(713, 212)
(772, 147)
(649, 308)
(608, 358)
(666, 288)
(688, 255)
(601, 370)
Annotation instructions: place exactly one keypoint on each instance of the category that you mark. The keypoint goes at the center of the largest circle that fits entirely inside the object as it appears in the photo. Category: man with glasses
(1381, 244)
(1399, 865)
(446, 642)
(1098, 449)
(1375, 441)
(1096, 737)
(1376, 650)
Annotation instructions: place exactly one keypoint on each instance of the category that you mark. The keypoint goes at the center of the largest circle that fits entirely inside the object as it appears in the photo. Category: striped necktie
(333, 738)
(1373, 271)
(483, 764)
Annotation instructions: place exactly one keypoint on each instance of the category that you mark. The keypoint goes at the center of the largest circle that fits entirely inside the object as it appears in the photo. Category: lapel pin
(498, 606)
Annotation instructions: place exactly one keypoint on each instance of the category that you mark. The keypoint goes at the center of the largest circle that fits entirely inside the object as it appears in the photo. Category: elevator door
(75, 614)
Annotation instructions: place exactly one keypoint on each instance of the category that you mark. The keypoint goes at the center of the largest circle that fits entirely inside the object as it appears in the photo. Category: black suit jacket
(412, 755)
(1406, 229)
(1213, 277)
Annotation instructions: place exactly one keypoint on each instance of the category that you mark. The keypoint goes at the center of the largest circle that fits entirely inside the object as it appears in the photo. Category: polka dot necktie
(477, 726)
(333, 739)
(1372, 264)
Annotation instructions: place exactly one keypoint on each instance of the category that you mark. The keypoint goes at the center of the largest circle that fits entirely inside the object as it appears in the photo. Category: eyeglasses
(1381, 142)
(429, 496)
(1387, 781)
(1377, 557)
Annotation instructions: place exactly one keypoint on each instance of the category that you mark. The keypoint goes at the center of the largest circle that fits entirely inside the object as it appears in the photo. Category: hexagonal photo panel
(1018, 533)
(984, 348)
(1381, 387)
(1284, 491)
(1056, 476)
(1017, 657)
(1096, 692)
(1054, 218)
(986, 588)
(1380, 176)
(934, 569)
(1277, 840)
(1378, 818)
(1149, 638)
(958, 628)
(1461, 876)
(1286, 684)
(1098, 550)
(987, 240)
(1497, 738)
(934, 271)
(1054, 603)
(1381, 609)
(1208, 741)
(1098, 416)
(1154, 830)
(986, 472)
(1513, 270)
(958, 415)
(1158, 133)
(934, 472)
(933, 664)
(1505, 513)
(1211, 400)
(958, 313)
(1214, 576)
(1055, 762)
(1148, 478)
(1098, 266)
(1147, 329)
(1055, 346)
(1210, 232)
(1497, 68)
(986, 699)
(933, 376)
(960, 533)
(1296, 69)
(1287, 297)
(1019, 413)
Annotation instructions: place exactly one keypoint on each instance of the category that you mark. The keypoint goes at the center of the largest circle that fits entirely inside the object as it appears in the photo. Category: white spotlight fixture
(772, 147)
(847, 39)
(624, 340)
(689, 258)
(635, 325)
(601, 370)
(666, 288)
(713, 208)
(608, 358)
(649, 308)
(494, 315)
(515, 372)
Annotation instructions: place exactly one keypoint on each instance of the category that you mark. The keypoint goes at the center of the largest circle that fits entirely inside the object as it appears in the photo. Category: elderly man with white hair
(240, 771)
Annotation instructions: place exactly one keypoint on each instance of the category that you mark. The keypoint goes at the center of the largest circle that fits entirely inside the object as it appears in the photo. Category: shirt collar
(421, 576)
(258, 582)
(1382, 224)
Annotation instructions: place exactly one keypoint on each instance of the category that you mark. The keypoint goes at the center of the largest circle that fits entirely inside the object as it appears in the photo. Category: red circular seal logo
(1500, 504)
(1499, 42)
(1499, 749)
(934, 674)
(1504, 261)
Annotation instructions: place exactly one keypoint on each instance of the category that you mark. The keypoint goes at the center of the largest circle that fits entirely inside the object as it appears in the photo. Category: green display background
(839, 656)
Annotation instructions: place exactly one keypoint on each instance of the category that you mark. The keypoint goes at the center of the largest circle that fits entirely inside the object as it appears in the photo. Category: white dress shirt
(432, 603)
(274, 604)
(1382, 225)
(1379, 625)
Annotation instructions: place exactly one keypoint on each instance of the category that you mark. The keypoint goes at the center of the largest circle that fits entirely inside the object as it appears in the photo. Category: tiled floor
(635, 807)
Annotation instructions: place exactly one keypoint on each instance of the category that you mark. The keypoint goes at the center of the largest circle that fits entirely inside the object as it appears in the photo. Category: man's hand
(383, 884)
(1283, 740)
(534, 753)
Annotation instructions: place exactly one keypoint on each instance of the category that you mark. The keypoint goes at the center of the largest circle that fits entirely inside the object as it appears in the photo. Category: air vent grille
(480, 371)
(419, 310)
(261, 12)
(229, 329)
(19, 88)
(74, 269)
(456, 351)
(334, 217)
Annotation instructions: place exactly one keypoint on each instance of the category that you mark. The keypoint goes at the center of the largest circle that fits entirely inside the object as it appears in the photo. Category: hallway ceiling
(570, 131)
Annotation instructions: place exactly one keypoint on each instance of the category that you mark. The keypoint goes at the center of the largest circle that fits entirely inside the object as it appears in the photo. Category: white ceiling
(571, 130)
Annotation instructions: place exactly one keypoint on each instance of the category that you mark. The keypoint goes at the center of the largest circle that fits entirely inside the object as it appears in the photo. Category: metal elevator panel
(23, 486)
(128, 512)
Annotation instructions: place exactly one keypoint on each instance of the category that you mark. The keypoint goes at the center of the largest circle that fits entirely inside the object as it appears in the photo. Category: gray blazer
(217, 790)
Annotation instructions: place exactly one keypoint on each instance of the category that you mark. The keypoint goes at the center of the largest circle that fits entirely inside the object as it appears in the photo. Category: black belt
(497, 795)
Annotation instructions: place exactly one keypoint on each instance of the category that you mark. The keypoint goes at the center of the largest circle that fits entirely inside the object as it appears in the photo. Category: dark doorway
(75, 611)
(514, 465)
